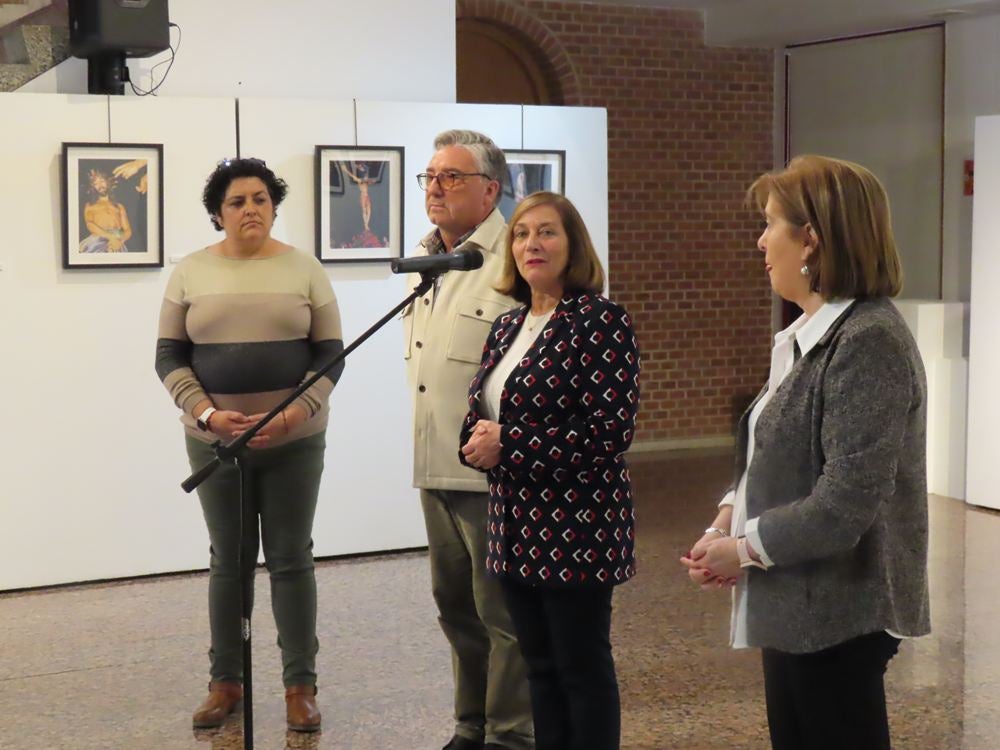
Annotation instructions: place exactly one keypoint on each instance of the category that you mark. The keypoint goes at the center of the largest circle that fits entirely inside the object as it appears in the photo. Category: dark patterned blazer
(560, 508)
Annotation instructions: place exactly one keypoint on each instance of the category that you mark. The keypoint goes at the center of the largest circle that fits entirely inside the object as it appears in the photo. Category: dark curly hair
(231, 169)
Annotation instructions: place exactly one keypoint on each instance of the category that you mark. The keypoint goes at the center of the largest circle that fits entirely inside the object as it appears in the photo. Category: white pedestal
(939, 328)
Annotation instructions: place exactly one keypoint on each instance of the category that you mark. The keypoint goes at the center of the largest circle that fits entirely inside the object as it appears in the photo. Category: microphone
(463, 260)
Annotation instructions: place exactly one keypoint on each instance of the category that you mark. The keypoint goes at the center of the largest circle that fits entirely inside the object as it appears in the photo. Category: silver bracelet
(717, 530)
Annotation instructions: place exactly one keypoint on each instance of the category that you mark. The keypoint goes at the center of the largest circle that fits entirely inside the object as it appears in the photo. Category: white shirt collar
(809, 330)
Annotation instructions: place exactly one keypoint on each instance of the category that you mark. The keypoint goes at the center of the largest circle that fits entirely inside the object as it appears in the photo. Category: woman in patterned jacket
(552, 410)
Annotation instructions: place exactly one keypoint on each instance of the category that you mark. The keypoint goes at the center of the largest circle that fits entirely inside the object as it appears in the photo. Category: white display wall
(982, 465)
(92, 456)
(378, 49)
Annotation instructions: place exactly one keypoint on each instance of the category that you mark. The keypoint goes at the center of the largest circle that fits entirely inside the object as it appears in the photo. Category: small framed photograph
(112, 205)
(359, 203)
(529, 172)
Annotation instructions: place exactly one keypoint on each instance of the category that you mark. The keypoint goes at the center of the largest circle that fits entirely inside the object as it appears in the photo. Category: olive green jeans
(284, 486)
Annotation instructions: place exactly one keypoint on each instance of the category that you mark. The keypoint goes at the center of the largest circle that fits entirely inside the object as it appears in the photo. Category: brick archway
(553, 57)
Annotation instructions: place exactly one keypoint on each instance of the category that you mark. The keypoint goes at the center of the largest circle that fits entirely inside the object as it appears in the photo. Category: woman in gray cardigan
(824, 535)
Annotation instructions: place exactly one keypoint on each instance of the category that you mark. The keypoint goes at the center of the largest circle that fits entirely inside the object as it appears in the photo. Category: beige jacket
(443, 338)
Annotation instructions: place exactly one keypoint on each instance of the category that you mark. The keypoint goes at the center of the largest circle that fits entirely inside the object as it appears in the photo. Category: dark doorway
(498, 66)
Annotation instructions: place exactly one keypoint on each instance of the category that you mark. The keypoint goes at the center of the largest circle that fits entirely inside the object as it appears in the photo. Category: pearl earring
(804, 270)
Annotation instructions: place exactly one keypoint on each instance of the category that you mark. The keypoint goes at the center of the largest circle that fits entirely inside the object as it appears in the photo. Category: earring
(805, 271)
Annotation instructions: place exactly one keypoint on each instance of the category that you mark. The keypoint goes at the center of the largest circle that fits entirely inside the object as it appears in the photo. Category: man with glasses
(445, 331)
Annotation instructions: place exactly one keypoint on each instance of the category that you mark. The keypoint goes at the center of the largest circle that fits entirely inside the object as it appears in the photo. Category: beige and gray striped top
(246, 332)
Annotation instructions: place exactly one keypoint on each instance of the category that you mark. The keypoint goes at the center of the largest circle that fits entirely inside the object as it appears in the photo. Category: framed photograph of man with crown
(112, 205)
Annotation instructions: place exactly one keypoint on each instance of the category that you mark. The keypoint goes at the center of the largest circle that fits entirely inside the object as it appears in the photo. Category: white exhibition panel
(577, 130)
(91, 474)
(366, 499)
(982, 467)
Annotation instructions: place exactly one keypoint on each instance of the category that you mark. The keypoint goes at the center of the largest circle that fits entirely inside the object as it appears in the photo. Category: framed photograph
(112, 205)
(359, 203)
(531, 171)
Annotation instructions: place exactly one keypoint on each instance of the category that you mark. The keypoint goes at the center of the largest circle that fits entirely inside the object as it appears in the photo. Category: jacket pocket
(475, 316)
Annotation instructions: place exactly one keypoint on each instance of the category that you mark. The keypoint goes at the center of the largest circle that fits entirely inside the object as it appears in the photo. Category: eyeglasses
(230, 159)
(447, 180)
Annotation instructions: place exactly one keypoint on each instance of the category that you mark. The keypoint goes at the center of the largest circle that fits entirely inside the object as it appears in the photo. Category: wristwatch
(203, 418)
(716, 530)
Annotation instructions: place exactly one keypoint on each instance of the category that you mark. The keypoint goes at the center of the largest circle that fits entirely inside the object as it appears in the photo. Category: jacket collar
(818, 329)
(484, 236)
(563, 310)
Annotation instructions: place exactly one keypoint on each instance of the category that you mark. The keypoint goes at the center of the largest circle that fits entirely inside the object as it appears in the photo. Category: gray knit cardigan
(839, 483)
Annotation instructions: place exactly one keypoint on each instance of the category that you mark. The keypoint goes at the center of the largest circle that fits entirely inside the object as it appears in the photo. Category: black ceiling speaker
(105, 32)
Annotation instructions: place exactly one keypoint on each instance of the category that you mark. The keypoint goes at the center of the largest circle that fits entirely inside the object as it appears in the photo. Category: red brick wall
(689, 127)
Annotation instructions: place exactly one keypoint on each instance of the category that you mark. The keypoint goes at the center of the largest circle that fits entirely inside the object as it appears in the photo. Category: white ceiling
(775, 23)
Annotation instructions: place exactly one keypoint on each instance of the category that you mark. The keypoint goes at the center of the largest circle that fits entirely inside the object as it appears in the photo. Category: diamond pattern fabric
(561, 498)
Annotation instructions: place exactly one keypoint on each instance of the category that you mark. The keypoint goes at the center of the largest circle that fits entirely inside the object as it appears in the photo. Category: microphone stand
(235, 452)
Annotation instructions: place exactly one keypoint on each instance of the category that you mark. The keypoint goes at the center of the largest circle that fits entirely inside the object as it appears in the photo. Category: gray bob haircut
(489, 157)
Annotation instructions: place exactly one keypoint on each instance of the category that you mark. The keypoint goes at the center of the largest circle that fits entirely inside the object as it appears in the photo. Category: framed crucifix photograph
(359, 203)
(530, 171)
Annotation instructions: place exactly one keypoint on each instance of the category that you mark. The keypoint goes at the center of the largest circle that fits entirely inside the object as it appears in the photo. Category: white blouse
(494, 382)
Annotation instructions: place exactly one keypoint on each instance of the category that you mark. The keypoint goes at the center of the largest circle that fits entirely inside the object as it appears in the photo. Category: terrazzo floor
(122, 665)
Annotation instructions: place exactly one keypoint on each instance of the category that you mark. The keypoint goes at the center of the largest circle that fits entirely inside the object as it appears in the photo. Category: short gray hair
(490, 159)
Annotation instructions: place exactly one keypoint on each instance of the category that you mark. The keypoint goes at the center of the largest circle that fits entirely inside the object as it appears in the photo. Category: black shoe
(463, 743)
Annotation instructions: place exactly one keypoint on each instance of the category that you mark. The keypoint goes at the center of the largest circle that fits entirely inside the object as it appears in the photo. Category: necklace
(531, 320)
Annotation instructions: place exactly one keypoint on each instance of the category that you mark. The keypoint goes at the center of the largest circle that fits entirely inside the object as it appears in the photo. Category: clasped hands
(229, 424)
(482, 449)
(713, 561)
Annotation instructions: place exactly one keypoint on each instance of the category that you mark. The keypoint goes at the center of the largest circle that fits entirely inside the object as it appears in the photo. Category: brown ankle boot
(222, 700)
(300, 708)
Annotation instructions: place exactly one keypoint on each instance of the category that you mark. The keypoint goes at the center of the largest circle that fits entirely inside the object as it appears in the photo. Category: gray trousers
(285, 487)
(491, 685)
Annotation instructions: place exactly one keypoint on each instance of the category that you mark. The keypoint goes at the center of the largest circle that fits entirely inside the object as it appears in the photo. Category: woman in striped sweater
(243, 322)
